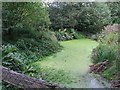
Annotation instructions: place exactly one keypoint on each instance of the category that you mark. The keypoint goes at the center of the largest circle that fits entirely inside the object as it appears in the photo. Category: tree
(22, 16)
(62, 15)
(84, 16)
(115, 11)
(93, 17)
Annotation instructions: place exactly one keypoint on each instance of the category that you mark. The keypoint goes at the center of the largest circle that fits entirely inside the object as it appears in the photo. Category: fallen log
(99, 67)
(23, 81)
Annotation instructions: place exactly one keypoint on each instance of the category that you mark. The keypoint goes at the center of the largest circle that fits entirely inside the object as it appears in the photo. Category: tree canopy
(87, 17)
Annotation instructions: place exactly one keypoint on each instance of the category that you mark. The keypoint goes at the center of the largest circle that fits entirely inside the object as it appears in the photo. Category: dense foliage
(27, 37)
(86, 17)
(68, 34)
(115, 11)
(18, 17)
(26, 26)
(107, 50)
(31, 31)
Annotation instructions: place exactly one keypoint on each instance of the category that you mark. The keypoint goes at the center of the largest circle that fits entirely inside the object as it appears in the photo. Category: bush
(108, 47)
(108, 38)
(68, 34)
(37, 49)
(19, 56)
(107, 50)
(27, 37)
(20, 16)
(14, 60)
(11, 58)
(104, 52)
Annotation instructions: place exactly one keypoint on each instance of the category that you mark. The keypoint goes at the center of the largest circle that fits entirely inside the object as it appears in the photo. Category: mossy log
(24, 81)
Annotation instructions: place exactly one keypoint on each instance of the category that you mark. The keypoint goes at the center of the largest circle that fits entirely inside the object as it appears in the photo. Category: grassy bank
(107, 50)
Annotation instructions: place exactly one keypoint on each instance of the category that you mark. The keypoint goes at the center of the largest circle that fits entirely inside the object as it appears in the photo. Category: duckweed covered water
(74, 58)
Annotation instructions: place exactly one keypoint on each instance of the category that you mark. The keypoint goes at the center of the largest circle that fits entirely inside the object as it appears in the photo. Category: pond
(75, 58)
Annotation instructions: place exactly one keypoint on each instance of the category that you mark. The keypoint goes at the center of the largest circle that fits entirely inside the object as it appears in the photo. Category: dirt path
(75, 58)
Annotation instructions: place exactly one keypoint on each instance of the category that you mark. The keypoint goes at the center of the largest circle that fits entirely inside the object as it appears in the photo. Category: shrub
(11, 58)
(37, 49)
(104, 52)
(28, 34)
(107, 50)
(108, 47)
(14, 60)
(68, 34)
(20, 16)
(108, 38)
(80, 35)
